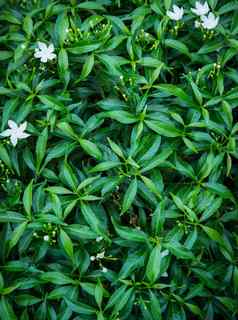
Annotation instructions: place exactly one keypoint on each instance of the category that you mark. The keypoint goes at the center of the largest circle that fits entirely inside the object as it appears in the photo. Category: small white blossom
(15, 132)
(197, 24)
(164, 253)
(45, 53)
(200, 9)
(92, 258)
(209, 22)
(165, 274)
(46, 238)
(176, 14)
(100, 255)
(98, 239)
(104, 269)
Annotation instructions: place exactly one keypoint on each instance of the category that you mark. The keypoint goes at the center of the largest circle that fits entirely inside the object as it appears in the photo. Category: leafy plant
(118, 160)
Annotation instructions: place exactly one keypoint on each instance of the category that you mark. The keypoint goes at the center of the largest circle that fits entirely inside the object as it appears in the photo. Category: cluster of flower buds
(4, 173)
(100, 256)
(145, 39)
(47, 234)
(215, 70)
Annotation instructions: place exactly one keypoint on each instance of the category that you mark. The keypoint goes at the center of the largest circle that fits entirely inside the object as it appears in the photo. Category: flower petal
(6, 133)
(37, 54)
(44, 58)
(13, 140)
(22, 126)
(12, 124)
(23, 135)
(51, 56)
(42, 45)
(51, 47)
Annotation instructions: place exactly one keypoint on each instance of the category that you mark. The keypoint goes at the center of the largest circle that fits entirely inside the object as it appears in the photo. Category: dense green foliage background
(122, 202)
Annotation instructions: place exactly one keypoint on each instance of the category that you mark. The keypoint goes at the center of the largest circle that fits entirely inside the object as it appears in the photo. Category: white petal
(176, 8)
(51, 47)
(13, 140)
(23, 135)
(51, 56)
(6, 133)
(44, 59)
(42, 45)
(23, 126)
(12, 124)
(37, 54)
(171, 15)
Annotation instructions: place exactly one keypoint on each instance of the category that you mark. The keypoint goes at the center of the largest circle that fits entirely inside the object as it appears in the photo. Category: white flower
(46, 238)
(200, 9)
(100, 255)
(176, 14)
(44, 53)
(104, 269)
(98, 239)
(92, 258)
(15, 132)
(210, 21)
(197, 24)
(165, 274)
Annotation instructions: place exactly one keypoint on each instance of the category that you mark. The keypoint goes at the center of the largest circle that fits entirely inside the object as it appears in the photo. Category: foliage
(122, 202)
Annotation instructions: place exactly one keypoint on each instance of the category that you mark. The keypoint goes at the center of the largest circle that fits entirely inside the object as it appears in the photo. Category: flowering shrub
(118, 160)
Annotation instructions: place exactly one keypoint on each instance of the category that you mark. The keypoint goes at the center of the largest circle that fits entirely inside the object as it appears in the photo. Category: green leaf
(41, 148)
(63, 65)
(153, 264)
(157, 160)
(28, 25)
(67, 244)
(27, 300)
(91, 219)
(91, 5)
(178, 45)
(121, 116)
(11, 216)
(130, 234)
(91, 148)
(213, 234)
(164, 129)
(219, 189)
(179, 251)
(105, 166)
(98, 293)
(80, 308)
(129, 196)
(61, 28)
(68, 176)
(27, 199)
(4, 156)
(56, 277)
(84, 48)
(87, 67)
(177, 92)
(59, 190)
(6, 311)
(17, 234)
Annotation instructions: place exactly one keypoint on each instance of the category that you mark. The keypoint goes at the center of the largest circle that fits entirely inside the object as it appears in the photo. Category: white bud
(98, 239)
(104, 269)
(46, 238)
(100, 255)
(164, 253)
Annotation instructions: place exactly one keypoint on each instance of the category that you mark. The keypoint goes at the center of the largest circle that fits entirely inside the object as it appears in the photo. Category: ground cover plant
(118, 159)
